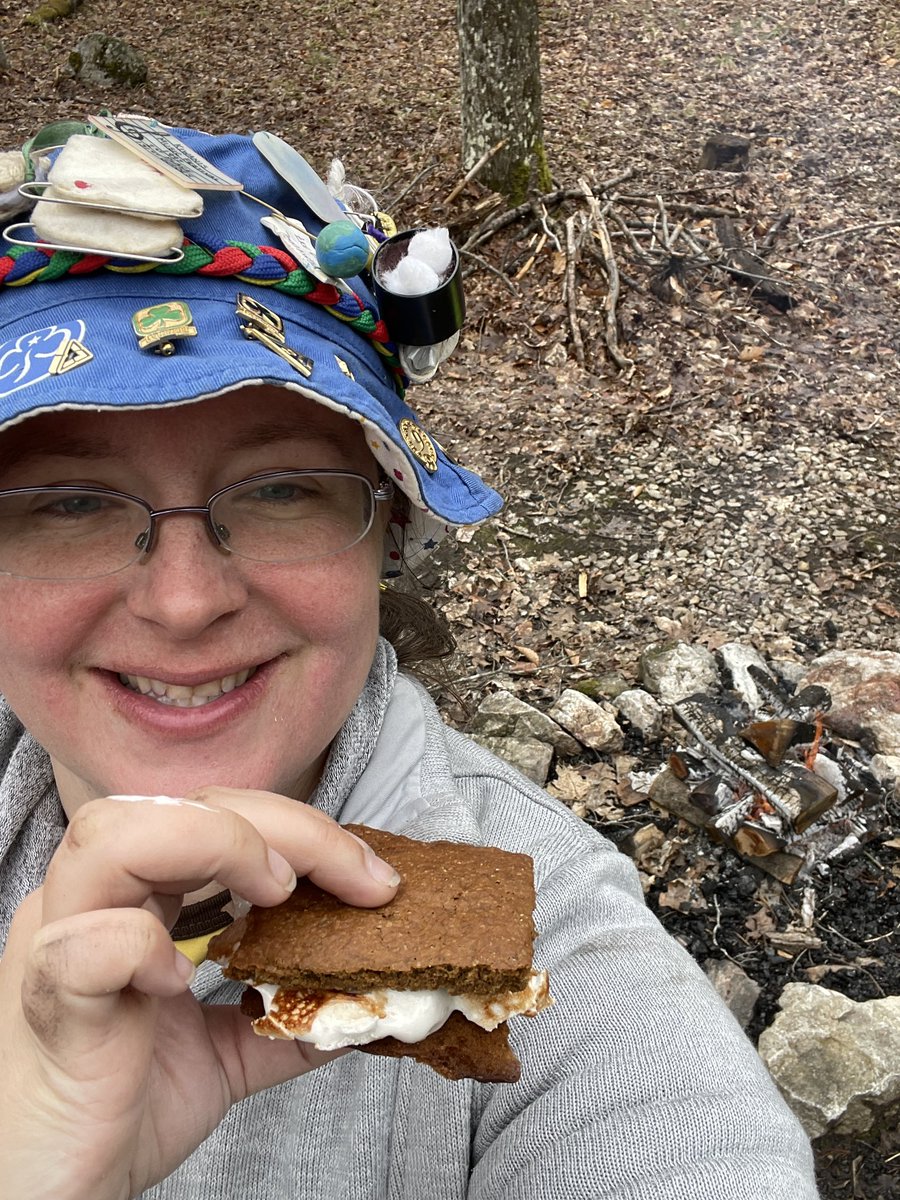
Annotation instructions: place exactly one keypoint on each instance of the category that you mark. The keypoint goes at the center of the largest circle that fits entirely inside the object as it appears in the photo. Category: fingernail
(380, 870)
(184, 968)
(282, 870)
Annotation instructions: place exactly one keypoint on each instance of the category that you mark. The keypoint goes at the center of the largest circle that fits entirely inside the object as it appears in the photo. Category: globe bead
(342, 250)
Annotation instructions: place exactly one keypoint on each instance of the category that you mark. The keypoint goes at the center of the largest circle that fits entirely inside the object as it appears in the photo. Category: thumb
(90, 984)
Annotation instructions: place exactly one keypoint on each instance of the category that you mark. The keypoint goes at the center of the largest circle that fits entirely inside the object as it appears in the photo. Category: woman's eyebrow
(284, 431)
(66, 447)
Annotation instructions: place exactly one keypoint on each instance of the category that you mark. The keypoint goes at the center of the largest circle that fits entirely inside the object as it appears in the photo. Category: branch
(612, 276)
(820, 237)
(470, 175)
(571, 298)
(495, 224)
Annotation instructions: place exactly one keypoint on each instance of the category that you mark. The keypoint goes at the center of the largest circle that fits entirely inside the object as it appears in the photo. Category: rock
(886, 769)
(736, 658)
(504, 715)
(593, 724)
(107, 61)
(674, 670)
(789, 669)
(603, 687)
(526, 754)
(836, 1061)
(735, 987)
(51, 10)
(642, 711)
(865, 696)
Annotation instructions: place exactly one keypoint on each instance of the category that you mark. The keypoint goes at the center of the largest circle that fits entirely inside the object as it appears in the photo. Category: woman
(192, 545)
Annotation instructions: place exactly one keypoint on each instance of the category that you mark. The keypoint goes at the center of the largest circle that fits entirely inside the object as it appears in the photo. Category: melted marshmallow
(334, 1020)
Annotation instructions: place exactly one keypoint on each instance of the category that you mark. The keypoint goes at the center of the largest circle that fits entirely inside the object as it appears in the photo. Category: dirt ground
(734, 475)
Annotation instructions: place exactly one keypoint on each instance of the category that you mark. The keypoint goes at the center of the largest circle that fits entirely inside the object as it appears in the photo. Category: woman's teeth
(185, 697)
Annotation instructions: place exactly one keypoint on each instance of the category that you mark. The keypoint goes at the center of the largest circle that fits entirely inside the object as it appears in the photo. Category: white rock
(836, 1061)
(593, 724)
(886, 769)
(673, 671)
(504, 715)
(865, 692)
(527, 755)
(641, 710)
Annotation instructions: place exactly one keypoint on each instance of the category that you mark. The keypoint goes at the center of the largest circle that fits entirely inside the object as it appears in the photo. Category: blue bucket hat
(70, 326)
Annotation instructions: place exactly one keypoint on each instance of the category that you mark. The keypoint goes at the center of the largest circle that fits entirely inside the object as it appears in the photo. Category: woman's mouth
(179, 696)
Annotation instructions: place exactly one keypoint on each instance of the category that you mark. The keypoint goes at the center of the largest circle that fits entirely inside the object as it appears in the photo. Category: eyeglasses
(76, 533)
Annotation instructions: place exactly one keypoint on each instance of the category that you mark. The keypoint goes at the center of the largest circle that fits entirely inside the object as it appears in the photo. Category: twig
(571, 298)
(543, 217)
(473, 171)
(820, 237)
(694, 210)
(631, 237)
(409, 187)
(532, 258)
(612, 276)
(494, 224)
(769, 240)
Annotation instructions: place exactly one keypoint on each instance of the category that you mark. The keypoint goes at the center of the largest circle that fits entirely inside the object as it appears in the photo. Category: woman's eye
(277, 491)
(74, 506)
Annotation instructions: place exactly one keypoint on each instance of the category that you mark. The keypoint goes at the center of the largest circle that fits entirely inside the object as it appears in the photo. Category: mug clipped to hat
(163, 265)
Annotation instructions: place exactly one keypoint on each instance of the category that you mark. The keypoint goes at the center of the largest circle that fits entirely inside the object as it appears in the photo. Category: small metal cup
(418, 320)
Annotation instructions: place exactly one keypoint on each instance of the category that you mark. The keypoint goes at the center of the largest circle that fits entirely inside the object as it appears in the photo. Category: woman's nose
(187, 583)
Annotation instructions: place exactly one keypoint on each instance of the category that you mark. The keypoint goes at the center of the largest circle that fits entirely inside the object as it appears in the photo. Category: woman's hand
(112, 1072)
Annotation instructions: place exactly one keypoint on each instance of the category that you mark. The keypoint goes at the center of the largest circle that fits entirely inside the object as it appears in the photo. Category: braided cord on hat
(265, 266)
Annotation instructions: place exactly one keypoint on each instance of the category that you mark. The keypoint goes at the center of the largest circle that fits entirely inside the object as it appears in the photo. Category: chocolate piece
(461, 920)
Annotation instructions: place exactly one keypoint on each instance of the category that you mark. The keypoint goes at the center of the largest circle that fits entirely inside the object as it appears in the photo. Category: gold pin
(263, 325)
(419, 443)
(344, 367)
(71, 354)
(161, 325)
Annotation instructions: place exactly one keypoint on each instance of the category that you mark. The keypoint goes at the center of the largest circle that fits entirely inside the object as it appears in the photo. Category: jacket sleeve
(638, 1084)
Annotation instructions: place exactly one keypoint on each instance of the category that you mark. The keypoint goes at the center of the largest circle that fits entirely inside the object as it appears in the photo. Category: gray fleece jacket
(637, 1085)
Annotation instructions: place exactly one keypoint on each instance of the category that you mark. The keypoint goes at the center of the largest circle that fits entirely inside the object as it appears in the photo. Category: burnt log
(749, 269)
(725, 152)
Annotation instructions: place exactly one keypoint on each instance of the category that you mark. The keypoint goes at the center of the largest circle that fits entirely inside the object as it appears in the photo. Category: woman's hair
(419, 634)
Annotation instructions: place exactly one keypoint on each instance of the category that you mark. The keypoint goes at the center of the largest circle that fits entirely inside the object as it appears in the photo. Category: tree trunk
(500, 71)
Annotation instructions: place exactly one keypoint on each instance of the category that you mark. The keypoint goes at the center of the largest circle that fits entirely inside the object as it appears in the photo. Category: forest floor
(734, 477)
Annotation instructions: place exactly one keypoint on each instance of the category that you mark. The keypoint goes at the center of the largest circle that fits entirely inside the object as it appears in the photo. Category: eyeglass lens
(83, 533)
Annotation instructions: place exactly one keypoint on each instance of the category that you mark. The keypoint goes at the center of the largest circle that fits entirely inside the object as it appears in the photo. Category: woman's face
(189, 616)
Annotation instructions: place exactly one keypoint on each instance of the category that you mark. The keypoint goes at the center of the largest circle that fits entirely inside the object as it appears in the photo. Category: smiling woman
(209, 477)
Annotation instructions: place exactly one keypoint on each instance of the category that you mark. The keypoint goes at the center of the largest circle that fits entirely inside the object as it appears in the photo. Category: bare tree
(500, 70)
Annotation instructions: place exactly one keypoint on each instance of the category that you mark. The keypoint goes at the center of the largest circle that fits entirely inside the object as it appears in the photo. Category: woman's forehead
(244, 420)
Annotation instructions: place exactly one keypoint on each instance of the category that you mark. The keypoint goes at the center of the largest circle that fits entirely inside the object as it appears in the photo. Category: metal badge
(344, 367)
(420, 444)
(72, 353)
(263, 325)
(158, 327)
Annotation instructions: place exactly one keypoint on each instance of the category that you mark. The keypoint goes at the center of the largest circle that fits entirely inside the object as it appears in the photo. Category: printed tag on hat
(295, 238)
(420, 444)
(158, 145)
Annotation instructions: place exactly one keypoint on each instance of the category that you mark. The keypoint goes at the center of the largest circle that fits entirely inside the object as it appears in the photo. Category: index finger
(117, 854)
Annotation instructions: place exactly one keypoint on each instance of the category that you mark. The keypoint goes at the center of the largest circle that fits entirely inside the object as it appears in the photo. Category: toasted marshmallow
(333, 1020)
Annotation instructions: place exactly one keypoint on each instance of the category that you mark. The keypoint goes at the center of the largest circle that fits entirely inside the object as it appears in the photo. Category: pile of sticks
(610, 224)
